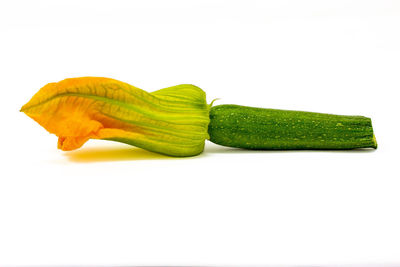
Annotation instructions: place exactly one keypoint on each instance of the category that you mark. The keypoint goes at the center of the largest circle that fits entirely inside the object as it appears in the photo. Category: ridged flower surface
(171, 121)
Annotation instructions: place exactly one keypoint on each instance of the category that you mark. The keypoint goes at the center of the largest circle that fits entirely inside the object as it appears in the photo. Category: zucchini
(177, 120)
(262, 128)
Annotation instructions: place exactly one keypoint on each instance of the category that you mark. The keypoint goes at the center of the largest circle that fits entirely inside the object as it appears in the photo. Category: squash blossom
(177, 120)
(172, 121)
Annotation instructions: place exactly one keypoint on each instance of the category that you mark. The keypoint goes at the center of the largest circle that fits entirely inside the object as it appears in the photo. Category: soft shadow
(102, 154)
(231, 150)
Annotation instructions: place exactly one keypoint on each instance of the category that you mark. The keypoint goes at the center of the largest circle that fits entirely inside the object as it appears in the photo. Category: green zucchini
(261, 128)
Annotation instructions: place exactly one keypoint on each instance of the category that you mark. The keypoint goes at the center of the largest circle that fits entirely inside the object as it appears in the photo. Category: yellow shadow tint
(103, 154)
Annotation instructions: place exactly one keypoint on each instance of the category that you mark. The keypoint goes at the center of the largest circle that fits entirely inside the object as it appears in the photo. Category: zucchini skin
(269, 129)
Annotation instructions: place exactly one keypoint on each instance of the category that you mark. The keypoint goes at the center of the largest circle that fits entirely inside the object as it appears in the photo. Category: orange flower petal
(171, 121)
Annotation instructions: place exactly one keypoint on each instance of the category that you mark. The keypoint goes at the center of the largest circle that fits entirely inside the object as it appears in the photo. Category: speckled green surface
(258, 128)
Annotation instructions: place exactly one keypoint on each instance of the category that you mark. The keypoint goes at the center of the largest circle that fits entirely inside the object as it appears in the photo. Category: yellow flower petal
(170, 121)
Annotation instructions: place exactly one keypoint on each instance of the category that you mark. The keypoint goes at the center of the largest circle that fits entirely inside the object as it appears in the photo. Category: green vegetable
(259, 128)
(177, 120)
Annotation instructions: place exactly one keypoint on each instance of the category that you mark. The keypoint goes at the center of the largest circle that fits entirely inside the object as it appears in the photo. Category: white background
(108, 203)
